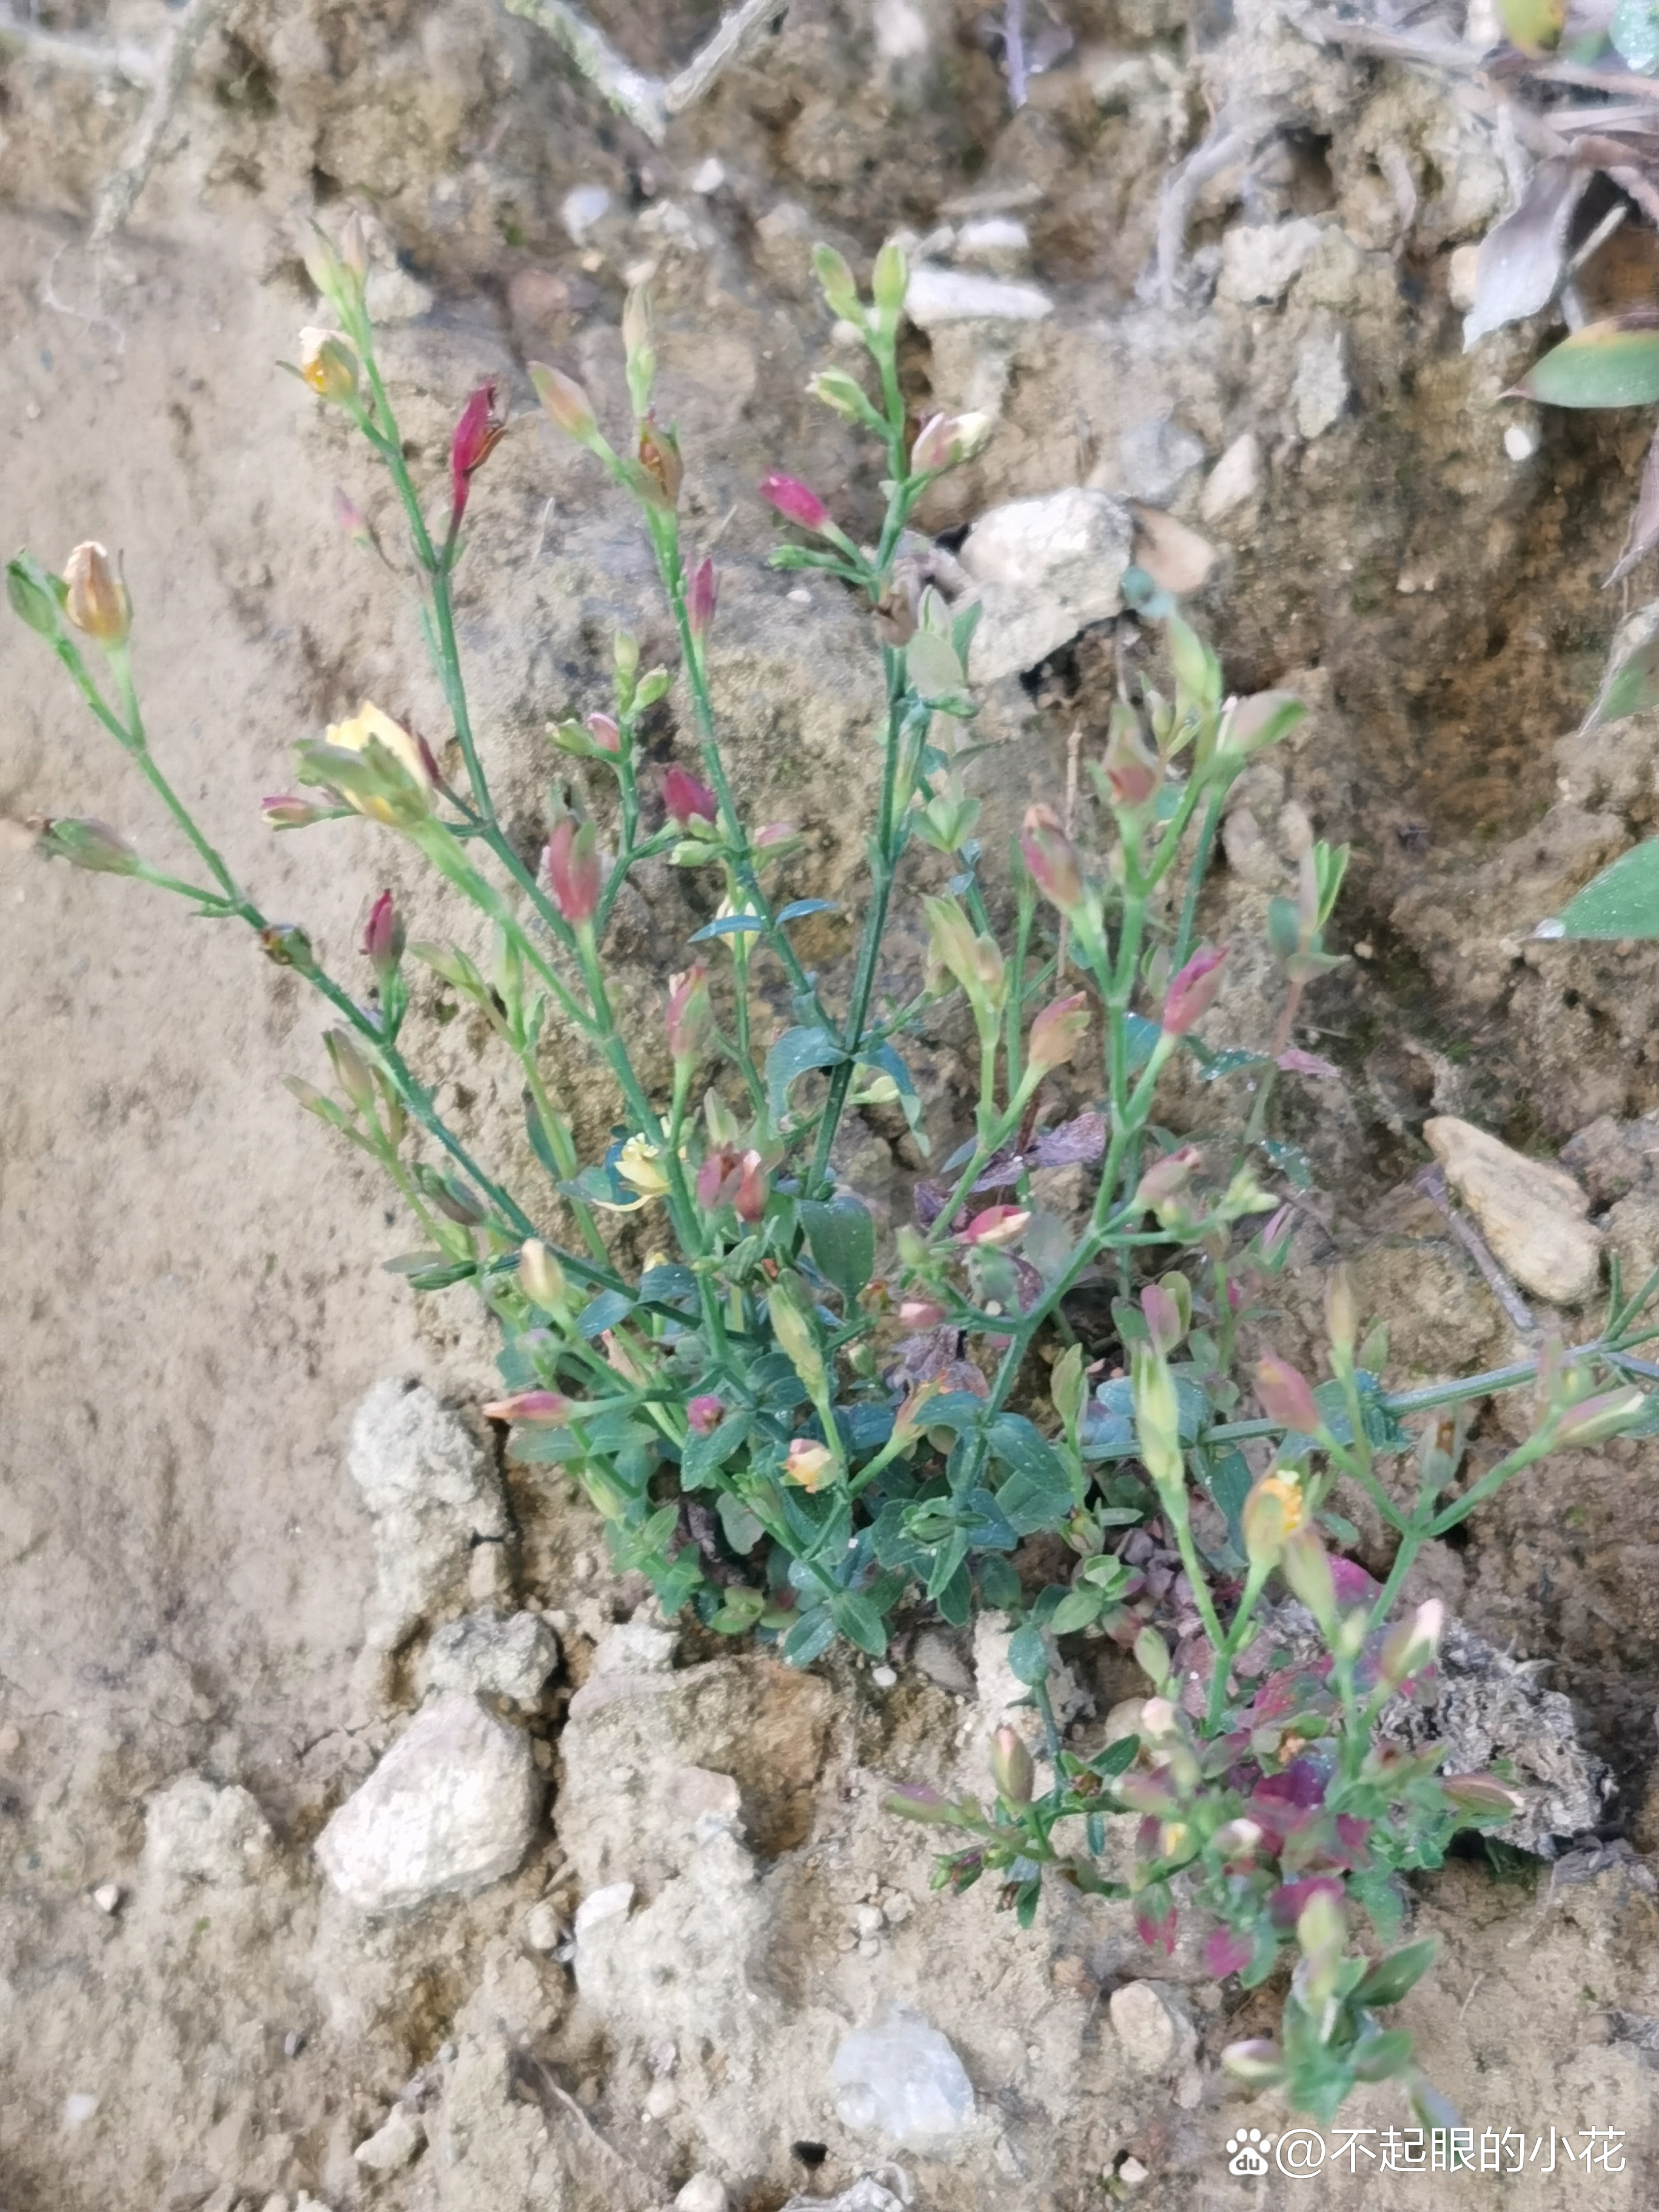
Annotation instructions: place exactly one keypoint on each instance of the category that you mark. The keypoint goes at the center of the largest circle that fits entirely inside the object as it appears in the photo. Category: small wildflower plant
(797, 1431)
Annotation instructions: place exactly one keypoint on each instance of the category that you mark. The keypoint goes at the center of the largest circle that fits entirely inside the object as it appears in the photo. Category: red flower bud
(1052, 858)
(705, 1413)
(1167, 1178)
(1286, 1397)
(690, 804)
(729, 1178)
(480, 430)
(795, 503)
(702, 598)
(571, 864)
(383, 937)
(1193, 991)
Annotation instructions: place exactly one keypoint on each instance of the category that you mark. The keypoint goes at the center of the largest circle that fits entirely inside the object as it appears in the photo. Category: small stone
(1463, 277)
(107, 1896)
(489, 1574)
(10, 1741)
(896, 1907)
(884, 1677)
(1132, 2173)
(610, 1902)
(708, 176)
(293, 2043)
(196, 1831)
(581, 209)
(1046, 569)
(870, 1947)
(1235, 479)
(78, 2108)
(393, 296)
(939, 1659)
(997, 242)
(1319, 391)
(1261, 263)
(542, 1752)
(394, 2143)
(901, 2080)
(588, 2092)
(451, 1808)
(1174, 556)
(704, 2192)
(1531, 1214)
(1519, 443)
(939, 297)
(278, 2203)
(867, 1919)
(636, 1647)
(847, 1941)
(660, 2099)
(487, 1656)
(543, 1927)
(1155, 2033)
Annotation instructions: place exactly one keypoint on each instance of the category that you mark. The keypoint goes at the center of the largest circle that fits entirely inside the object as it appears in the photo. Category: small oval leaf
(1604, 365)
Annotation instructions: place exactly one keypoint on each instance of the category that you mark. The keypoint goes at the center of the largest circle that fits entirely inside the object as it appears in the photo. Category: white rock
(489, 1656)
(1261, 262)
(78, 2108)
(704, 2192)
(610, 1902)
(1531, 1214)
(432, 1495)
(865, 2195)
(451, 1806)
(1045, 568)
(937, 296)
(1132, 2173)
(1155, 2034)
(660, 2099)
(582, 207)
(1519, 443)
(901, 30)
(1235, 477)
(709, 175)
(1319, 392)
(107, 1896)
(867, 1919)
(196, 1831)
(1000, 243)
(1463, 277)
(636, 1647)
(901, 2079)
(394, 2144)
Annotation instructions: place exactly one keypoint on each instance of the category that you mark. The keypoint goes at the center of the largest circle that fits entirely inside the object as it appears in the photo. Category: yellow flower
(1288, 1490)
(807, 1463)
(370, 726)
(638, 1162)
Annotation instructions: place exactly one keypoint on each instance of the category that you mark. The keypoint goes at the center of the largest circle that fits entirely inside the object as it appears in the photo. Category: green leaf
(702, 1457)
(540, 1144)
(841, 1237)
(1228, 1482)
(858, 1621)
(932, 666)
(794, 1053)
(1631, 685)
(604, 1312)
(1606, 364)
(1078, 1609)
(798, 909)
(1117, 1757)
(1292, 1162)
(1390, 1977)
(812, 1635)
(728, 924)
(660, 1284)
(1028, 1656)
(998, 1583)
(743, 1529)
(1623, 901)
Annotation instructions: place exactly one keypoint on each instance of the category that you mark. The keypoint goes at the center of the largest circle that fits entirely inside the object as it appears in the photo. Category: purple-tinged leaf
(1523, 259)
(1298, 1062)
(1083, 1139)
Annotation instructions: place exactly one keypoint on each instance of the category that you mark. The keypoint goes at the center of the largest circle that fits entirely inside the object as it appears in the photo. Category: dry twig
(1432, 1184)
(648, 102)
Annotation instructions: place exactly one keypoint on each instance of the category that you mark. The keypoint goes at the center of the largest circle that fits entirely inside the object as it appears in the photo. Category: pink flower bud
(1013, 1769)
(795, 503)
(1593, 1418)
(1286, 1397)
(1412, 1645)
(566, 403)
(605, 731)
(729, 1178)
(1058, 1031)
(996, 1226)
(354, 523)
(571, 865)
(1482, 1793)
(1298, 1062)
(773, 833)
(1163, 1317)
(702, 598)
(481, 428)
(1193, 991)
(920, 1313)
(383, 937)
(1052, 858)
(807, 1462)
(688, 1018)
(290, 810)
(1167, 1178)
(1132, 768)
(705, 1413)
(690, 804)
(532, 1409)
(945, 441)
